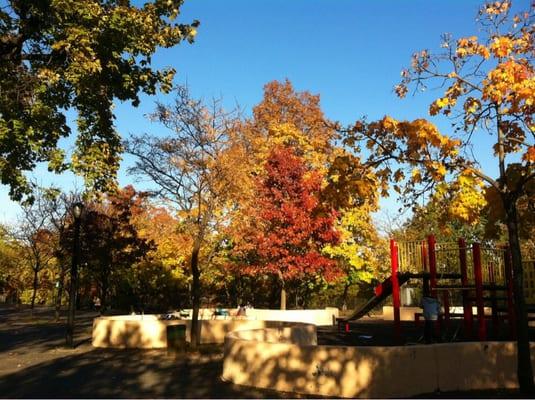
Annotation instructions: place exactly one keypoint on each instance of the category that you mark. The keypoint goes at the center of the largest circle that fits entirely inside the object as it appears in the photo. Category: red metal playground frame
(480, 273)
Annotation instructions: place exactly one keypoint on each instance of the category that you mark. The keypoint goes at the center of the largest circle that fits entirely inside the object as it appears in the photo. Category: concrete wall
(367, 371)
(318, 317)
(148, 331)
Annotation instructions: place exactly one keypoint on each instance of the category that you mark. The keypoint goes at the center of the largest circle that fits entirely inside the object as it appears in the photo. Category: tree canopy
(57, 55)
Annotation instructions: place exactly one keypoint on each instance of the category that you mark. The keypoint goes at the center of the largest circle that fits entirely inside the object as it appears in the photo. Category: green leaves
(81, 54)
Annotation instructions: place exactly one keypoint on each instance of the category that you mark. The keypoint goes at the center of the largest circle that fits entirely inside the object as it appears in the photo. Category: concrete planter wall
(148, 331)
(339, 371)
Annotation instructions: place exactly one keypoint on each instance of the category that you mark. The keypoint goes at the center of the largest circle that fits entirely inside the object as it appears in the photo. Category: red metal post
(511, 316)
(478, 276)
(395, 289)
(431, 247)
(424, 256)
(431, 242)
(494, 302)
(467, 304)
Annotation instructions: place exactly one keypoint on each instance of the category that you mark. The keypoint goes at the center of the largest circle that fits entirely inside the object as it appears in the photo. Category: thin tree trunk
(283, 292)
(274, 295)
(195, 295)
(104, 295)
(61, 285)
(344, 295)
(35, 282)
(524, 369)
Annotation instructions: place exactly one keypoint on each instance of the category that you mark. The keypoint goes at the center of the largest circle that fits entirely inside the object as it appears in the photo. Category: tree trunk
(103, 295)
(35, 282)
(61, 285)
(524, 369)
(283, 292)
(195, 295)
(344, 296)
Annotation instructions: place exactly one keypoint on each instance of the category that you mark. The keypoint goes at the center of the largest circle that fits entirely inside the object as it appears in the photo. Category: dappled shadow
(22, 333)
(35, 364)
(372, 371)
(109, 373)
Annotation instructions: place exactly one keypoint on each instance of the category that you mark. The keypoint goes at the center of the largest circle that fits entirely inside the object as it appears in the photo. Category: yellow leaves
(448, 101)
(501, 46)
(513, 82)
(470, 46)
(443, 102)
(471, 105)
(434, 109)
(419, 137)
(436, 170)
(463, 199)
(389, 123)
(416, 175)
(484, 52)
(290, 118)
(49, 76)
(354, 252)
(349, 183)
(497, 7)
(440, 171)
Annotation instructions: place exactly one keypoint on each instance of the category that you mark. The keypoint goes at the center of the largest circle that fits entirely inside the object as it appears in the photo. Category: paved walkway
(34, 364)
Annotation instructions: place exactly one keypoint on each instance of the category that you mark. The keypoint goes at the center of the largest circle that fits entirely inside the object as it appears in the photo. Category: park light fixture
(77, 209)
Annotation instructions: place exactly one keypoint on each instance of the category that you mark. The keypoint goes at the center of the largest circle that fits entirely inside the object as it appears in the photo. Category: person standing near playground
(431, 310)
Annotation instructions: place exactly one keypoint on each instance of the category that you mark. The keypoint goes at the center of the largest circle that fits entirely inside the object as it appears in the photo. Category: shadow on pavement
(126, 374)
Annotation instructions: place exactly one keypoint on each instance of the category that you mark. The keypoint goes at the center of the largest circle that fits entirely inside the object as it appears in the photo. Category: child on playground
(431, 310)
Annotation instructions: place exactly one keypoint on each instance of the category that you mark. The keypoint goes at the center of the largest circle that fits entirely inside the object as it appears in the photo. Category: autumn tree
(291, 224)
(489, 85)
(161, 280)
(38, 242)
(360, 253)
(495, 227)
(172, 240)
(294, 119)
(286, 117)
(10, 266)
(110, 243)
(198, 169)
(57, 55)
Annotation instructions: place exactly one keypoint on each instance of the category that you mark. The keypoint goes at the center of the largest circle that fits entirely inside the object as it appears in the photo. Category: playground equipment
(482, 274)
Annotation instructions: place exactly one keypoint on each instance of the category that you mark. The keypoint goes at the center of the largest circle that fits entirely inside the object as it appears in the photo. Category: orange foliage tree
(490, 85)
(291, 225)
(289, 118)
(110, 241)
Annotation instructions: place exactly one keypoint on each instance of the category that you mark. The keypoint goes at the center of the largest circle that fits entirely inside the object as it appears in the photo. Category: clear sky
(350, 52)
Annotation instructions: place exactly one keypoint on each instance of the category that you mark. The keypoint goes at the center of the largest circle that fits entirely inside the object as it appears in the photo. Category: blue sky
(350, 52)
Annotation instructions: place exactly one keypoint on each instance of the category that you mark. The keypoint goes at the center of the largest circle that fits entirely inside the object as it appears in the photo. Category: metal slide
(382, 291)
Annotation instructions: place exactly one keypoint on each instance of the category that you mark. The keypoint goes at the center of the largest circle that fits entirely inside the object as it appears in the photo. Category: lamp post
(77, 209)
